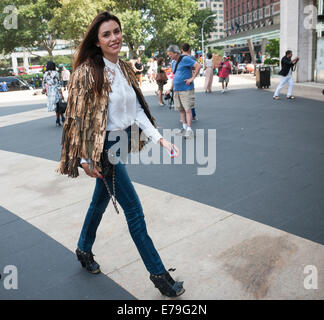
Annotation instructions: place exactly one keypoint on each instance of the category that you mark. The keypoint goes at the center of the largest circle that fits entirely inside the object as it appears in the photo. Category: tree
(197, 18)
(135, 29)
(57, 59)
(34, 28)
(273, 48)
(73, 17)
(171, 23)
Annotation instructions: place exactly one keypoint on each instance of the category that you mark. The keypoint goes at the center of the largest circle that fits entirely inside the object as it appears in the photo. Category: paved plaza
(248, 231)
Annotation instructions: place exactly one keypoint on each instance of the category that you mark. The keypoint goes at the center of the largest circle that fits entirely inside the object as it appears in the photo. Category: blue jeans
(129, 201)
(193, 111)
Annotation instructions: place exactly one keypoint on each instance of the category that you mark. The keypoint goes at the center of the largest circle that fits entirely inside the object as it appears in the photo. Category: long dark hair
(88, 50)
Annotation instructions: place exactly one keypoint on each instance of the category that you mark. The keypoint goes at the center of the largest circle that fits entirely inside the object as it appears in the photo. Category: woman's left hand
(167, 145)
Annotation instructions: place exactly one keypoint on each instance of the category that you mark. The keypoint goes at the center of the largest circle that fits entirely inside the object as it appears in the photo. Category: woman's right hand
(94, 173)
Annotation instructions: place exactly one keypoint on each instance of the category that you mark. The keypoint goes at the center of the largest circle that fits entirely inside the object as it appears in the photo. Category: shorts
(160, 86)
(184, 100)
(223, 80)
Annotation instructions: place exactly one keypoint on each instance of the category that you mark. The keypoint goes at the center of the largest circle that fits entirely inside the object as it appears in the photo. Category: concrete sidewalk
(310, 90)
(218, 254)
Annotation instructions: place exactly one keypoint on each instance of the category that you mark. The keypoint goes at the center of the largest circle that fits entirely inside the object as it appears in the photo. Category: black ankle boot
(87, 261)
(58, 123)
(167, 285)
(63, 118)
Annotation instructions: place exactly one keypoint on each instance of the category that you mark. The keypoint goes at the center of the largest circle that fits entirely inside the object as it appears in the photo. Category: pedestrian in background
(287, 67)
(65, 77)
(161, 79)
(224, 68)
(51, 81)
(3, 86)
(150, 70)
(154, 71)
(183, 86)
(104, 97)
(138, 71)
(209, 73)
(185, 49)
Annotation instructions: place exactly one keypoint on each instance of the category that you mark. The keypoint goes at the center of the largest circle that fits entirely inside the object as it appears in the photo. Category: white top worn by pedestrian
(155, 66)
(209, 63)
(65, 75)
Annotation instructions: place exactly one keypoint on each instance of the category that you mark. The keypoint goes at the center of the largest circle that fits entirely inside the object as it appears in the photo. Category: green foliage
(134, 28)
(171, 23)
(66, 60)
(73, 17)
(30, 76)
(273, 48)
(155, 23)
(197, 18)
(218, 50)
(271, 61)
(5, 72)
(34, 27)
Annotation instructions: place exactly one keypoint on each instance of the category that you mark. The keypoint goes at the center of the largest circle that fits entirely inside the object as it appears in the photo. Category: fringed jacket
(84, 129)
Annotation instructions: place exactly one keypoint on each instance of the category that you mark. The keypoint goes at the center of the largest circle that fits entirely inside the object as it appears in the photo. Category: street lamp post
(202, 37)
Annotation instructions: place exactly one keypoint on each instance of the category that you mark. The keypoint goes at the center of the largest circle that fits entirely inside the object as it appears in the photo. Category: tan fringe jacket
(84, 129)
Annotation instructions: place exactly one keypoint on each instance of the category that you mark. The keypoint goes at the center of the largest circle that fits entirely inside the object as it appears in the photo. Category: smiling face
(110, 40)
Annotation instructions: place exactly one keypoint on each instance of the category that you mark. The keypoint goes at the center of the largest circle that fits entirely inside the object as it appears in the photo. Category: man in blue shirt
(185, 49)
(183, 87)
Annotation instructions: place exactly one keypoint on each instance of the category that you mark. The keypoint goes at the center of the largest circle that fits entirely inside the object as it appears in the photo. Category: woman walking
(224, 68)
(104, 97)
(150, 70)
(161, 79)
(209, 73)
(51, 81)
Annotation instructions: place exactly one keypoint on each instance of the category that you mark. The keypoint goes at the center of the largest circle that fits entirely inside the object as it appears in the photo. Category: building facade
(217, 6)
(245, 15)
(244, 19)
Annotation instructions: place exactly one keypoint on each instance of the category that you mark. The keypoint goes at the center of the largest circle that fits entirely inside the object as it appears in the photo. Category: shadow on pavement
(47, 270)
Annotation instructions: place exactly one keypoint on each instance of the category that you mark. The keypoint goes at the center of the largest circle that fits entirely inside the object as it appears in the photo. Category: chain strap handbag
(108, 171)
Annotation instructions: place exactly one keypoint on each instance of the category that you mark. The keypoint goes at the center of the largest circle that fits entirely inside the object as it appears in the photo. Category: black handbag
(105, 164)
(61, 106)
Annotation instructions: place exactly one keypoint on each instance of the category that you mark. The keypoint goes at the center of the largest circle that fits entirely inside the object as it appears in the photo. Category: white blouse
(124, 108)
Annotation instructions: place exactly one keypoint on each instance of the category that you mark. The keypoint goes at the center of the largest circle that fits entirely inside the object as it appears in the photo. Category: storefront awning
(270, 32)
